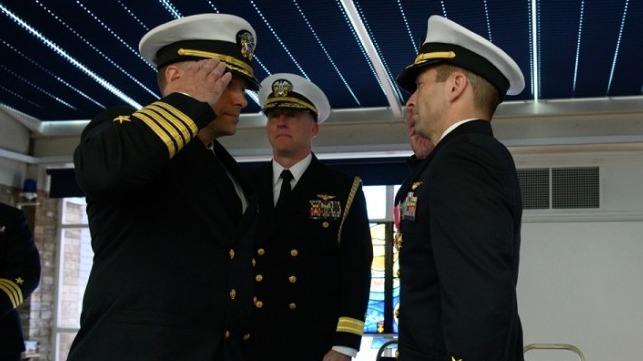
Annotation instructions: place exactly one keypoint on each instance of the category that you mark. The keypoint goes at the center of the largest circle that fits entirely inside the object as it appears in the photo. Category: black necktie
(286, 177)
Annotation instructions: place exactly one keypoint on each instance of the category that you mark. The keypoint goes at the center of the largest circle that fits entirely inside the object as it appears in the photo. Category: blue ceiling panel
(68, 60)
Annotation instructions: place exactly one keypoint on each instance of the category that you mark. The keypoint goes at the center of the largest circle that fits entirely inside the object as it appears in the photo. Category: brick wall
(37, 311)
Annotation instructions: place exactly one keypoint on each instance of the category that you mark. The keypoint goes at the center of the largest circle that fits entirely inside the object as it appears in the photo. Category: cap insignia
(247, 42)
(281, 87)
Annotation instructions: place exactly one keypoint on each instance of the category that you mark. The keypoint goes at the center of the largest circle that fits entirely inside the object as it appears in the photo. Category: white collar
(455, 125)
(297, 170)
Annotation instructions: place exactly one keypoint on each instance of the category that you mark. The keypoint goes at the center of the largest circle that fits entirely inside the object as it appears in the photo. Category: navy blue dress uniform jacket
(172, 273)
(311, 275)
(459, 255)
(19, 276)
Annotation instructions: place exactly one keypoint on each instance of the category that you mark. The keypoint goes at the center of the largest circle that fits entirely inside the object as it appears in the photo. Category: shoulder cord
(356, 183)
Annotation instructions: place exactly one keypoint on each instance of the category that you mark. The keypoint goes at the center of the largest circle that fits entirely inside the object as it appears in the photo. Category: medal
(325, 207)
(409, 207)
(397, 235)
(397, 240)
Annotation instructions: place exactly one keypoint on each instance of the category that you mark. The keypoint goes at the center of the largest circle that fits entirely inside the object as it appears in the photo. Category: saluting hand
(204, 80)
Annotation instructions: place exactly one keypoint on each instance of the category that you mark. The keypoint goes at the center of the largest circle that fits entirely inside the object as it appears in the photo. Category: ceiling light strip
(618, 47)
(58, 50)
(444, 9)
(254, 94)
(327, 54)
(171, 9)
(213, 6)
(367, 43)
(281, 43)
(414, 45)
(488, 21)
(325, 51)
(26, 81)
(102, 55)
(48, 72)
(17, 95)
(578, 44)
(127, 10)
(535, 54)
(113, 33)
(109, 30)
(379, 52)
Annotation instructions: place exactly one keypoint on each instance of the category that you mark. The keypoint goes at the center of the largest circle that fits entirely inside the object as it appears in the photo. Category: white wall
(581, 274)
(12, 173)
(581, 283)
(14, 142)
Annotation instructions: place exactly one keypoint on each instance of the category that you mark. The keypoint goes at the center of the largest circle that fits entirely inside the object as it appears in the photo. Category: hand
(333, 355)
(204, 80)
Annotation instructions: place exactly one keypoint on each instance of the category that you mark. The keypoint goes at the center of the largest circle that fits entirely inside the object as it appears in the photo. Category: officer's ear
(315, 129)
(173, 71)
(166, 74)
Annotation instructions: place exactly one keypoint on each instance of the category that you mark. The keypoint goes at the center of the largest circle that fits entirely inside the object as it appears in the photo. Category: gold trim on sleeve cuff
(350, 325)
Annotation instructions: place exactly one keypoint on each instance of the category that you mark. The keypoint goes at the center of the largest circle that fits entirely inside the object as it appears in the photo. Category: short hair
(161, 80)
(486, 97)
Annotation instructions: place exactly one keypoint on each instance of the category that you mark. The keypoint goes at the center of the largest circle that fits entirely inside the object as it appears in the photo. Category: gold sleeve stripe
(12, 290)
(187, 122)
(350, 325)
(179, 128)
(169, 143)
(164, 122)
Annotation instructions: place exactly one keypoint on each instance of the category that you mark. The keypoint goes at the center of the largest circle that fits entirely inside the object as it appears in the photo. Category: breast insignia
(325, 207)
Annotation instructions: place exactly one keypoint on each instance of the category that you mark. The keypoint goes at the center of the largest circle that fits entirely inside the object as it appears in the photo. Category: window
(384, 295)
(75, 263)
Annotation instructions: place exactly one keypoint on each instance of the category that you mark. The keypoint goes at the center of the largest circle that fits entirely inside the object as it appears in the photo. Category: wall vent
(560, 188)
(534, 184)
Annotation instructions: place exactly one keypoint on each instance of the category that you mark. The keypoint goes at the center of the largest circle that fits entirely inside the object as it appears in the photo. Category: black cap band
(293, 101)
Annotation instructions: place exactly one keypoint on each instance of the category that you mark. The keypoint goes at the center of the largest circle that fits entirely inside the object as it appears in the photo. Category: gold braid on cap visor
(289, 102)
(434, 55)
(232, 62)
